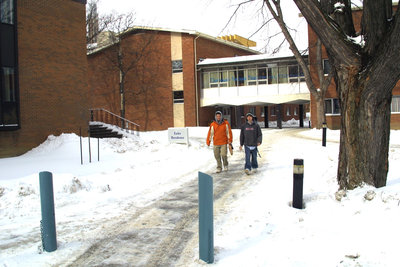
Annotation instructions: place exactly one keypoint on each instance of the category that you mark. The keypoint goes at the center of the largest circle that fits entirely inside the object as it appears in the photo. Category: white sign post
(178, 135)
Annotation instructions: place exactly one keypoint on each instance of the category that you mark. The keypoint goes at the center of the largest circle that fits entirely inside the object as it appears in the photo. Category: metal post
(90, 151)
(48, 222)
(206, 226)
(301, 115)
(324, 134)
(80, 141)
(280, 115)
(98, 149)
(266, 119)
(298, 175)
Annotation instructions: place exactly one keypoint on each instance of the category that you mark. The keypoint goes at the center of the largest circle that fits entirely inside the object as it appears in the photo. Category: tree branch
(331, 35)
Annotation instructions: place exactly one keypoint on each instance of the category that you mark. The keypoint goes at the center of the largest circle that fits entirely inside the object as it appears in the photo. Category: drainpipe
(195, 80)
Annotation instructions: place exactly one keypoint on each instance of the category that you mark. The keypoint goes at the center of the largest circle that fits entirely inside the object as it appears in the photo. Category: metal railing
(105, 116)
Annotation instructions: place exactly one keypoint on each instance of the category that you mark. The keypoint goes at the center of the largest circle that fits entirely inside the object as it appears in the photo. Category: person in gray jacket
(251, 138)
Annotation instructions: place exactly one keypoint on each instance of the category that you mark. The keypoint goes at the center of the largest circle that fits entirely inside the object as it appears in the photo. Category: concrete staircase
(101, 131)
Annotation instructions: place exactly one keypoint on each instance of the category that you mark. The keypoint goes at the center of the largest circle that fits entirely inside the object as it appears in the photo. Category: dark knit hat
(249, 114)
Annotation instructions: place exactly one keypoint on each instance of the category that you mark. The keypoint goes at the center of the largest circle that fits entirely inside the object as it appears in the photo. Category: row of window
(255, 75)
(332, 105)
(8, 71)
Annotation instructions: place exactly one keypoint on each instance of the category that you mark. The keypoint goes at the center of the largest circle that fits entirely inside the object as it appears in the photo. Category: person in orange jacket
(220, 133)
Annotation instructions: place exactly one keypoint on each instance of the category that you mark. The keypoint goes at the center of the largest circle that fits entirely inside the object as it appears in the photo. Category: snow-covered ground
(257, 228)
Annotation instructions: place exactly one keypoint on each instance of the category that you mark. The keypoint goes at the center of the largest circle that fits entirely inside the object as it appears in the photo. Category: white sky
(210, 17)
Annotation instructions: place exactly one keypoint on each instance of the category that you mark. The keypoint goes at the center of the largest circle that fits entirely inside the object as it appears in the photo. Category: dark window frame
(178, 96)
(10, 62)
(177, 66)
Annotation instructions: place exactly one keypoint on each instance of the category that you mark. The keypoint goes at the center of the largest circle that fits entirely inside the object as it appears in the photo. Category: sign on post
(178, 135)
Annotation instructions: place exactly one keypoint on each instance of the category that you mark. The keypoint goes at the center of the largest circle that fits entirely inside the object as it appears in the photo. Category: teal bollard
(206, 225)
(48, 222)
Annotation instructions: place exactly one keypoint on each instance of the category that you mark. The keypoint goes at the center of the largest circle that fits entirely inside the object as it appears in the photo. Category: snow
(256, 227)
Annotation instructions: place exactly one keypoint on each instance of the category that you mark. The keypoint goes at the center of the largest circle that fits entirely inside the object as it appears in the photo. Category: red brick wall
(52, 73)
(148, 85)
(154, 110)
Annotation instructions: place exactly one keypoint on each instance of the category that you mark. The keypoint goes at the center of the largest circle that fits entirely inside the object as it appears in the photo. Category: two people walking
(220, 133)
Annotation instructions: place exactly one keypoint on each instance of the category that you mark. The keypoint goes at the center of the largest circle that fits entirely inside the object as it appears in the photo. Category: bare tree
(95, 23)
(274, 7)
(365, 75)
(120, 56)
(317, 91)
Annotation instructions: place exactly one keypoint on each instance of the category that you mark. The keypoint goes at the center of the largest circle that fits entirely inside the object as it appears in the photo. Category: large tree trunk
(320, 106)
(365, 76)
(364, 136)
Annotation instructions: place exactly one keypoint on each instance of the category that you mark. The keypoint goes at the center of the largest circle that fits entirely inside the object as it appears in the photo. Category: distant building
(273, 89)
(162, 87)
(43, 72)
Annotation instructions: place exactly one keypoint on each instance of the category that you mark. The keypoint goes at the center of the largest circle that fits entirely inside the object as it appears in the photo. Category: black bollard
(298, 175)
(48, 222)
(324, 134)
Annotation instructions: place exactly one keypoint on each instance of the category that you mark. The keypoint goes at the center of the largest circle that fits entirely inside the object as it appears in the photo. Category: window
(283, 74)
(395, 106)
(272, 75)
(241, 76)
(178, 96)
(296, 74)
(262, 75)
(293, 74)
(7, 11)
(273, 110)
(177, 66)
(206, 80)
(223, 79)
(327, 66)
(332, 106)
(252, 77)
(9, 85)
(232, 75)
(287, 111)
(9, 102)
(252, 110)
(214, 79)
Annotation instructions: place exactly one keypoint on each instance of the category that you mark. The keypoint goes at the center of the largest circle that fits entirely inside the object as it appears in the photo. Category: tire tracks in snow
(165, 233)
(159, 234)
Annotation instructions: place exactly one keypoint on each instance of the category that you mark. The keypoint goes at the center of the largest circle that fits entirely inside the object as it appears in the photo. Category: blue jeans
(253, 155)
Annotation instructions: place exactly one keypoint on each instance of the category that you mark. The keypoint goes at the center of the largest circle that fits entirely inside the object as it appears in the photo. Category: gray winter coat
(250, 134)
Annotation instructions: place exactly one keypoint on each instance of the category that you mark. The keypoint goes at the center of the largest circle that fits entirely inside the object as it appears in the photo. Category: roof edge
(190, 32)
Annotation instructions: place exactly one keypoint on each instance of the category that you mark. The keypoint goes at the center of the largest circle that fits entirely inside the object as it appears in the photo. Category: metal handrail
(127, 123)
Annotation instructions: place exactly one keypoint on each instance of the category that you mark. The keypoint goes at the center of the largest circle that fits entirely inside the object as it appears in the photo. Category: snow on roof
(238, 59)
(191, 32)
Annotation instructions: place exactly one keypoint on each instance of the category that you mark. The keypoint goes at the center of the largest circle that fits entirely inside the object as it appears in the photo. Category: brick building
(332, 107)
(43, 72)
(160, 88)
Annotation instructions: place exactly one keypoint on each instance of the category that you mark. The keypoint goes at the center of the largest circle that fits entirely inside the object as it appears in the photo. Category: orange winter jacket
(221, 134)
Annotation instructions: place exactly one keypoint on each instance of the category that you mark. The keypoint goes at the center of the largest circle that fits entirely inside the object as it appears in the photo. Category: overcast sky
(211, 17)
